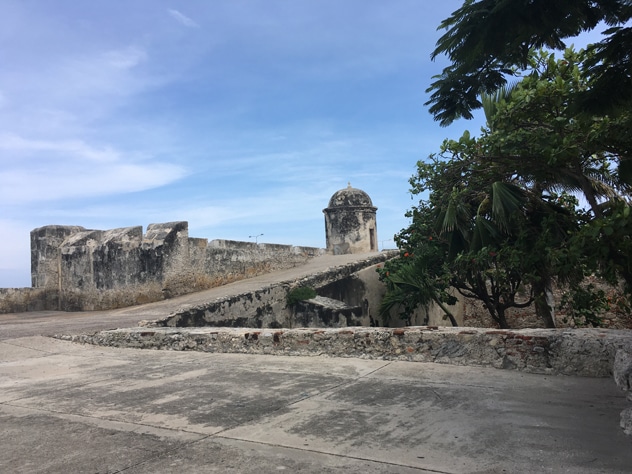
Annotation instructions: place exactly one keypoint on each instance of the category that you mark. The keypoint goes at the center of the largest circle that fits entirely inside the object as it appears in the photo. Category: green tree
(501, 204)
(417, 280)
(487, 41)
(552, 147)
(557, 146)
(477, 232)
(474, 233)
(606, 244)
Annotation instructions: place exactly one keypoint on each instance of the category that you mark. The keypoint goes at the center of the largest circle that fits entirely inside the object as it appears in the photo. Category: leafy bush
(585, 305)
(299, 294)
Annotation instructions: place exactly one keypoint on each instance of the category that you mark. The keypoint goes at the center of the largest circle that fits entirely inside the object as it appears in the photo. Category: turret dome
(350, 197)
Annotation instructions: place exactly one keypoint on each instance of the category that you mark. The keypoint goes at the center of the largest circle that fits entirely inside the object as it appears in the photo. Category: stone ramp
(322, 265)
(262, 303)
(55, 322)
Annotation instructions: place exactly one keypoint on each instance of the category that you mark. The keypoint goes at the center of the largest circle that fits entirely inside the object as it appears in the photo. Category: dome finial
(348, 184)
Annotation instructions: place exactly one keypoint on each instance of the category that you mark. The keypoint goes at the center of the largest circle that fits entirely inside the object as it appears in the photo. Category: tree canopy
(498, 219)
(488, 41)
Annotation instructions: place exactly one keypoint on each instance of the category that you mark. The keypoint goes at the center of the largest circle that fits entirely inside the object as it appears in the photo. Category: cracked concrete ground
(66, 407)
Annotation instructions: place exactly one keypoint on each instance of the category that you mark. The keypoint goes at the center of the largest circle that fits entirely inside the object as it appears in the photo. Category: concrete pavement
(75, 408)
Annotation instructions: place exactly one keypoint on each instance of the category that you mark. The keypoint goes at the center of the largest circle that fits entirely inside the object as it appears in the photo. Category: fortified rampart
(78, 269)
(348, 295)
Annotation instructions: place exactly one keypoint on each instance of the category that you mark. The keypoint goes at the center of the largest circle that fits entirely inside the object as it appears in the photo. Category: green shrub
(585, 305)
(299, 294)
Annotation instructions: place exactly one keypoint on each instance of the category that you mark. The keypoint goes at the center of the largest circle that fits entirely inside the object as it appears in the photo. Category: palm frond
(490, 101)
(507, 199)
(484, 233)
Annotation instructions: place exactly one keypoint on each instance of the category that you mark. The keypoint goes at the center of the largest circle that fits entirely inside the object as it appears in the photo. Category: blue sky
(241, 117)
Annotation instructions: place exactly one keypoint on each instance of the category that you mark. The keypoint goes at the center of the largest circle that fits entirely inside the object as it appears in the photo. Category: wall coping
(580, 352)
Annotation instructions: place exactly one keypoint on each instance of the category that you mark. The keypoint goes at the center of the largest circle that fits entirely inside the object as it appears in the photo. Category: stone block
(326, 312)
(626, 421)
(622, 369)
(45, 244)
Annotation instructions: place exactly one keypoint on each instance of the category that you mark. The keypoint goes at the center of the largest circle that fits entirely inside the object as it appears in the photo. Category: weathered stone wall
(584, 352)
(323, 312)
(45, 257)
(18, 300)
(121, 267)
(266, 307)
(623, 378)
(351, 230)
(361, 289)
(230, 260)
(364, 289)
(79, 269)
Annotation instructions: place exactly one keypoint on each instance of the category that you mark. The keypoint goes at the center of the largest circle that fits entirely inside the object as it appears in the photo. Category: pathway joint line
(343, 456)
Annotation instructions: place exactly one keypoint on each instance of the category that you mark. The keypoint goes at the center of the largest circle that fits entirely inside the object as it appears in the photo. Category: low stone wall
(623, 378)
(18, 300)
(584, 352)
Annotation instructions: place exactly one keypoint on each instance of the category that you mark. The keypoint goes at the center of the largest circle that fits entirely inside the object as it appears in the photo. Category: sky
(241, 117)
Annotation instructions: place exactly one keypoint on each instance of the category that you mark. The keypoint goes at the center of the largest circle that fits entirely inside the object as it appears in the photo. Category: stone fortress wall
(347, 295)
(78, 269)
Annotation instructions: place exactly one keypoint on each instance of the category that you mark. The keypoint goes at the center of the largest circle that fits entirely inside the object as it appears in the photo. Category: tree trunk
(589, 194)
(447, 312)
(501, 319)
(544, 305)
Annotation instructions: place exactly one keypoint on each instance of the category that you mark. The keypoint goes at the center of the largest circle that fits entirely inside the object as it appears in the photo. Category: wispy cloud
(72, 168)
(125, 58)
(51, 183)
(74, 148)
(69, 93)
(182, 18)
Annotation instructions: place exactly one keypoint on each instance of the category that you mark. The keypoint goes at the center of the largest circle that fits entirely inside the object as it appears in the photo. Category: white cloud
(39, 170)
(77, 148)
(59, 182)
(182, 19)
(125, 58)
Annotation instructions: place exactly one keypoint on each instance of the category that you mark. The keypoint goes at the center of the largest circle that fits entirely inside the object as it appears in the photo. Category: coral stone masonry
(584, 352)
(350, 222)
(623, 378)
(78, 269)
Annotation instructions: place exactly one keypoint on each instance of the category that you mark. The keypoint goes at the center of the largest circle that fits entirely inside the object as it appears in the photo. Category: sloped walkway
(56, 322)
